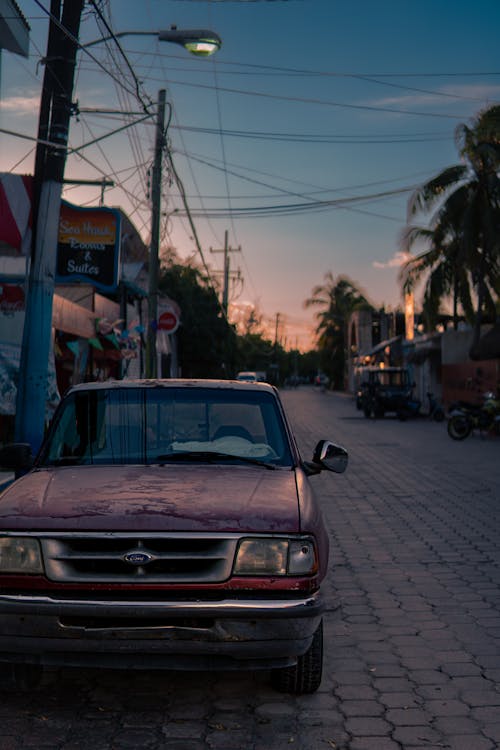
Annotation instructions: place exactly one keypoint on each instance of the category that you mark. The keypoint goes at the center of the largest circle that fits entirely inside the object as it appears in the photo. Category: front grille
(134, 559)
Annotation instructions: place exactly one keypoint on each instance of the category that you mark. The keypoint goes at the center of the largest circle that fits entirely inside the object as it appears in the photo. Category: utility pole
(276, 331)
(226, 250)
(151, 355)
(50, 160)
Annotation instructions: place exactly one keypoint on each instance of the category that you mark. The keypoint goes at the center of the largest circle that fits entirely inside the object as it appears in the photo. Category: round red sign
(168, 321)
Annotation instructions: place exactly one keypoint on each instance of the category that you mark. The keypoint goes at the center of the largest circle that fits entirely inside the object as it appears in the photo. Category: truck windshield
(153, 425)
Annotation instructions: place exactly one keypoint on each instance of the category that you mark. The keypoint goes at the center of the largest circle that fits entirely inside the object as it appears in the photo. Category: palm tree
(443, 264)
(464, 231)
(337, 298)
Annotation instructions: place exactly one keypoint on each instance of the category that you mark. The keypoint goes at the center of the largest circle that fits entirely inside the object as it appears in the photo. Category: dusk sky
(302, 138)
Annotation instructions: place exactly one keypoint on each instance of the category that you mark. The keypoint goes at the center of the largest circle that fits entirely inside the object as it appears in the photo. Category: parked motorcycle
(436, 411)
(465, 418)
(411, 408)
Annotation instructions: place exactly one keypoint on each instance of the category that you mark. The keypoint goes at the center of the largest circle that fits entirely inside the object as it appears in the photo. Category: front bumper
(226, 634)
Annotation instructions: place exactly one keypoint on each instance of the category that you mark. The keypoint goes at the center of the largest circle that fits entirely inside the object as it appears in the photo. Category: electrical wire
(319, 139)
(189, 215)
(70, 36)
(323, 102)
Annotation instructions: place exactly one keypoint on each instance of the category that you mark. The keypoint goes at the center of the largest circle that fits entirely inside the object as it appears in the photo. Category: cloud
(398, 259)
(479, 93)
(21, 105)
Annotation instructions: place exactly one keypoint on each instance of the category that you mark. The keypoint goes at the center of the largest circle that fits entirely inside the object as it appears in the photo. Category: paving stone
(492, 731)
(481, 698)
(470, 742)
(406, 717)
(387, 670)
(418, 735)
(447, 708)
(276, 710)
(454, 725)
(400, 700)
(428, 677)
(363, 726)
(356, 692)
(485, 714)
(392, 684)
(362, 708)
(374, 743)
(460, 669)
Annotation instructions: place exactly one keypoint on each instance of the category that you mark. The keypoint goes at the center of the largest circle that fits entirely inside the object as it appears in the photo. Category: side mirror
(329, 456)
(16, 456)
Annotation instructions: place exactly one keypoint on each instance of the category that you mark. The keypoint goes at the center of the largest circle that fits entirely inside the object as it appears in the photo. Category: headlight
(276, 557)
(20, 555)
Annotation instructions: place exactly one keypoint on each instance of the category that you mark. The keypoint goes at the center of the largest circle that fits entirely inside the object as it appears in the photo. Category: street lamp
(200, 42)
(54, 119)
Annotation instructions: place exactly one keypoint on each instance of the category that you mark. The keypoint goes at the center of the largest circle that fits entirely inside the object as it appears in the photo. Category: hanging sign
(88, 246)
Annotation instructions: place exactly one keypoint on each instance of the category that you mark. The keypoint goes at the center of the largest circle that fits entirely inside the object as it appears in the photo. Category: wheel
(305, 676)
(459, 427)
(371, 408)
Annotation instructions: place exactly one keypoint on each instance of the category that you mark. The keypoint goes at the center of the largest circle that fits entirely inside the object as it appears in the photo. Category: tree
(206, 341)
(337, 298)
(464, 230)
(444, 266)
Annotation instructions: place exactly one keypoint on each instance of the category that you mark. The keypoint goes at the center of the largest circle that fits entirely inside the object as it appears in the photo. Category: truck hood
(190, 497)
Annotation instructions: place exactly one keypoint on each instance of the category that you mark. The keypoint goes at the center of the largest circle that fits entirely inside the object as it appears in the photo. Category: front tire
(459, 427)
(305, 676)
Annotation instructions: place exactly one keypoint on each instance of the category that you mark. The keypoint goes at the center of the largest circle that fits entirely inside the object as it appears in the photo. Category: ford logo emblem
(138, 558)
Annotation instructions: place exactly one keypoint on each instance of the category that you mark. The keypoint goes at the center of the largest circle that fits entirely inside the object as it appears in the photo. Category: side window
(65, 441)
(80, 432)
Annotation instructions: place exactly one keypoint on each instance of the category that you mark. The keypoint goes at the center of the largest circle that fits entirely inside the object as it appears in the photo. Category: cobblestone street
(412, 656)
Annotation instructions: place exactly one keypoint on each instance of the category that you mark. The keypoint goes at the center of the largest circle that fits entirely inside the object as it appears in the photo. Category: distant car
(168, 524)
(321, 380)
(247, 376)
(384, 390)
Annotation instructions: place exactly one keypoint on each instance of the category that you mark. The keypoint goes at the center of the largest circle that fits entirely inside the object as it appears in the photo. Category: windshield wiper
(212, 456)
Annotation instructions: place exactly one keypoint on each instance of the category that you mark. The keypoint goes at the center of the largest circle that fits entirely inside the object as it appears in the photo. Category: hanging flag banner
(88, 247)
(15, 212)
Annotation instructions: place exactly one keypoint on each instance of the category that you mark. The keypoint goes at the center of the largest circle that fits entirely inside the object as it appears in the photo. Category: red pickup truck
(165, 524)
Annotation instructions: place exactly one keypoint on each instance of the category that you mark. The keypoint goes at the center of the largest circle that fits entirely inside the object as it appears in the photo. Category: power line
(283, 209)
(317, 138)
(322, 102)
(302, 72)
(82, 47)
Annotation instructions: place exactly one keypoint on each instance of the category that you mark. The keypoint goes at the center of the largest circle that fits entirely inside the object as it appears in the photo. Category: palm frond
(426, 196)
